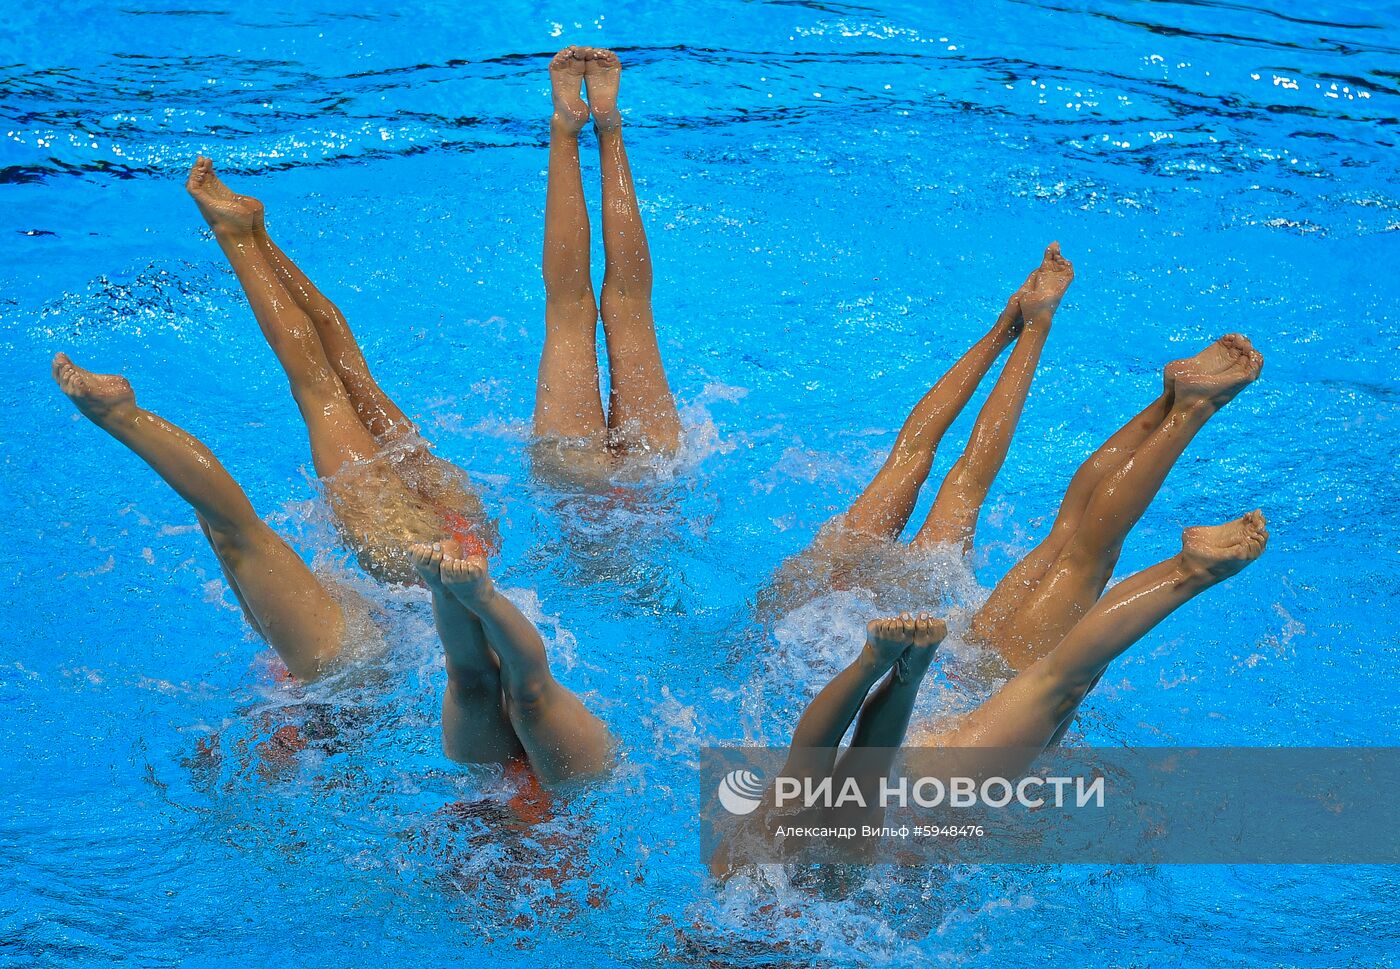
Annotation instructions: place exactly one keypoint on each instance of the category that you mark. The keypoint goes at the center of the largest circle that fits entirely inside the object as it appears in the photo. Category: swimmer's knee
(473, 682)
(625, 293)
(954, 513)
(236, 538)
(1066, 690)
(573, 304)
(316, 387)
(1070, 696)
(1088, 556)
(527, 696)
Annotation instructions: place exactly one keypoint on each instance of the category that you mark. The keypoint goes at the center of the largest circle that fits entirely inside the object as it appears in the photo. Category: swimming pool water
(839, 198)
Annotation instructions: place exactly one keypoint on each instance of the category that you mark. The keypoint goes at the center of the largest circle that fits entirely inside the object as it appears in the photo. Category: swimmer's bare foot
(603, 74)
(1014, 310)
(1215, 552)
(566, 83)
(468, 579)
(101, 397)
(224, 209)
(427, 561)
(1215, 390)
(906, 643)
(1041, 294)
(1216, 358)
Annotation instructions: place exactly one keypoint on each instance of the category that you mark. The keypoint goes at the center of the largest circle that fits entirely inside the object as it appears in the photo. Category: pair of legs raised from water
(1053, 587)
(641, 413)
(878, 690)
(384, 485)
(882, 511)
(502, 700)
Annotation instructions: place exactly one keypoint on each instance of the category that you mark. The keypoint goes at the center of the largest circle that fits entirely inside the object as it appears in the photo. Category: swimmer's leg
(337, 436)
(1111, 455)
(883, 509)
(1031, 709)
(816, 740)
(953, 517)
(567, 399)
(475, 727)
(288, 606)
(1215, 364)
(1084, 564)
(641, 411)
(1022, 579)
(435, 480)
(376, 411)
(884, 718)
(561, 738)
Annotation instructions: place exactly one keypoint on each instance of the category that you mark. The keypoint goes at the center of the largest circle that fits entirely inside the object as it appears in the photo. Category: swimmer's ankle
(1193, 574)
(871, 663)
(487, 597)
(124, 415)
(122, 421)
(234, 235)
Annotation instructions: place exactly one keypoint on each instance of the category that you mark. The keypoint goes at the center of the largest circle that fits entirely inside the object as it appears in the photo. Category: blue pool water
(839, 198)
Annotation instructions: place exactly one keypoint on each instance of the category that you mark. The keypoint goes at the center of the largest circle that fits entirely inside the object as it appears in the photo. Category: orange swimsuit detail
(463, 530)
